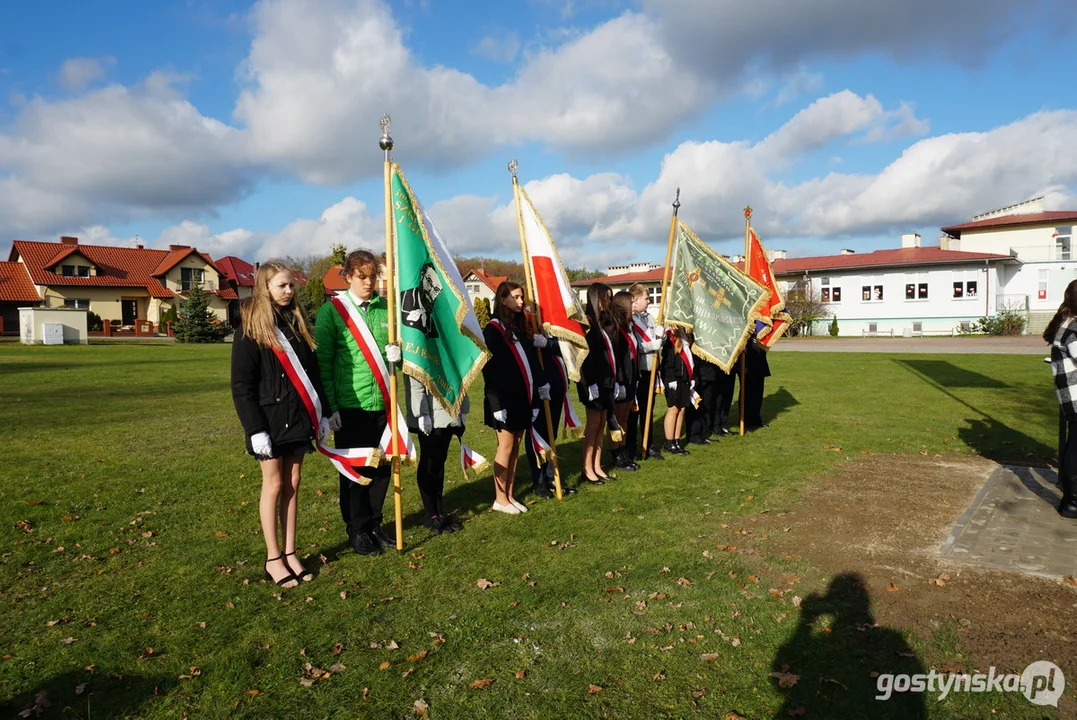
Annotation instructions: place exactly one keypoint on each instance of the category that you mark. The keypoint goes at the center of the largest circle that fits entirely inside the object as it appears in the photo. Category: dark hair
(599, 297)
(513, 322)
(622, 309)
(361, 261)
(1066, 310)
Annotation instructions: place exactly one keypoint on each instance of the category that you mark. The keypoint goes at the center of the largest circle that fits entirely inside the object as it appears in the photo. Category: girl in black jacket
(626, 352)
(598, 380)
(509, 408)
(276, 422)
(677, 379)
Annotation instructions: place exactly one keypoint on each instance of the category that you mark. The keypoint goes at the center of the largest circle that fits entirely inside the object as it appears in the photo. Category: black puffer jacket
(265, 399)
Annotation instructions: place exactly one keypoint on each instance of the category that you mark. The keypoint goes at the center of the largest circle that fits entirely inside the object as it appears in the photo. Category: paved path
(1012, 524)
(1020, 345)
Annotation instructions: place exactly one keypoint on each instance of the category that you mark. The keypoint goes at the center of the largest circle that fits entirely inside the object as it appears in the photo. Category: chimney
(736, 259)
(847, 251)
(179, 247)
(910, 240)
(68, 240)
(773, 255)
(139, 246)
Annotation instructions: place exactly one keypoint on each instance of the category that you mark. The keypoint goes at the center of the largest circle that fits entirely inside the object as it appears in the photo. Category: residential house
(480, 285)
(16, 291)
(333, 281)
(117, 283)
(239, 274)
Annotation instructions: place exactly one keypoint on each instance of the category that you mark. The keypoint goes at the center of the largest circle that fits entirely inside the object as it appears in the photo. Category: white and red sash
(689, 364)
(346, 461)
(572, 421)
(609, 354)
(471, 461)
(630, 337)
(540, 446)
(641, 330)
(364, 339)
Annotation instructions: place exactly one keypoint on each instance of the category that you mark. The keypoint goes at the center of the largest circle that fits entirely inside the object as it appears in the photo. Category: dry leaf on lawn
(421, 655)
(422, 708)
(481, 683)
(709, 657)
(483, 584)
(892, 588)
(384, 665)
(593, 689)
(785, 679)
(520, 674)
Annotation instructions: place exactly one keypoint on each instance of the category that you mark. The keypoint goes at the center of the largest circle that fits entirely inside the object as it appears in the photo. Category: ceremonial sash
(631, 344)
(641, 330)
(689, 363)
(572, 422)
(538, 445)
(346, 461)
(364, 339)
(609, 354)
(471, 461)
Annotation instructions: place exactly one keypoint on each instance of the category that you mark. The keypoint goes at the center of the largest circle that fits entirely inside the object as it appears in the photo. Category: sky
(251, 128)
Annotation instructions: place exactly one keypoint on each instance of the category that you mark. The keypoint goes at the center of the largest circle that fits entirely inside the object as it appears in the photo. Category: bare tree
(804, 306)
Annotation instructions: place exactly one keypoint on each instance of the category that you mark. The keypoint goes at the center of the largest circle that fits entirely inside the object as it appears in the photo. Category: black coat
(265, 399)
(504, 386)
(755, 360)
(596, 368)
(673, 367)
(627, 366)
(551, 355)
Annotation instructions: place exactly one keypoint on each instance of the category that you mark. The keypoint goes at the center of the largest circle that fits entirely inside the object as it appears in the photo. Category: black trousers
(753, 400)
(724, 389)
(361, 505)
(1068, 460)
(556, 406)
(639, 420)
(700, 420)
(433, 452)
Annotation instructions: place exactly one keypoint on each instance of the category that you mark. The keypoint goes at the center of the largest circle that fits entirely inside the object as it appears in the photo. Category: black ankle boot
(1067, 508)
(680, 448)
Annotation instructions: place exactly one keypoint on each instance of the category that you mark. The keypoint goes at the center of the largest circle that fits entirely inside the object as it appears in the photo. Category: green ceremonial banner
(712, 299)
(440, 339)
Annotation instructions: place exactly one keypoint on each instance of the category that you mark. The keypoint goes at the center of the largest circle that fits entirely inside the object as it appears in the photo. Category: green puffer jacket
(347, 378)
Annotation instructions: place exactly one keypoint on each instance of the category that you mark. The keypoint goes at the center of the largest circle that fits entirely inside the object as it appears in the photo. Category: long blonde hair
(256, 312)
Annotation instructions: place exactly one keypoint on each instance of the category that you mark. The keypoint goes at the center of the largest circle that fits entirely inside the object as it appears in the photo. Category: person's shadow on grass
(825, 669)
(90, 694)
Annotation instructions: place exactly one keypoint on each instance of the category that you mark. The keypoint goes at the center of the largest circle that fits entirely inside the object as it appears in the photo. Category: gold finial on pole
(513, 167)
(747, 212)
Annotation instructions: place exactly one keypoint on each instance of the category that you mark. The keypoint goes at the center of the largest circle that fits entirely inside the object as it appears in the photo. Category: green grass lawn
(137, 589)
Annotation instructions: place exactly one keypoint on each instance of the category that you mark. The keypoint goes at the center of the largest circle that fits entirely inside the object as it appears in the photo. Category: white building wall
(1030, 243)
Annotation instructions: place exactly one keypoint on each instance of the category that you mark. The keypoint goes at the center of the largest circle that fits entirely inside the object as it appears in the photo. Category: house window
(965, 283)
(189, 277)
(829, 293)
(916, 286)
(83, 270)
(77, 303)
(872, 290)
(475, 289)
(654, 295)
(1041, 286)
(1062, 237)
(67, 270)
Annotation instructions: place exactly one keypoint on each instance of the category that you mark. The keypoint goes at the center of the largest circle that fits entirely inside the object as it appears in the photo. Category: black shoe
(1068, 507)
(290, 577)
(679, 449)
(623, 462)
(723, 431)
(542, 490)
(305, 575)
(566, 489)
(451, 524)
(585, 479)
(439, 525)
(654, 454)
(363, 543)
(384, 539)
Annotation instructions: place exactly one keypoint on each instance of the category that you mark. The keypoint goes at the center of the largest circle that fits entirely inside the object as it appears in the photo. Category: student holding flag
(514, 387)
(557, 377)
(676, 370)
(277, 421)
(355, 359)
(598, 385)
(648, 342)
(435, 428)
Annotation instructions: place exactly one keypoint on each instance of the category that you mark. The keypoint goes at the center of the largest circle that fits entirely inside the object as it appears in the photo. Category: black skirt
(518, 419)
(681, 397)
(291, 449)
(604, 401)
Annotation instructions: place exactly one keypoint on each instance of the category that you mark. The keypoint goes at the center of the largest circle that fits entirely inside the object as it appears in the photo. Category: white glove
(501, 415)
(534, 415)
(261, 444)
(334, 421)
(618, 392)
(655, 345)
(426, 424)
(539, 340)
(592, 392)
(544, 391)
(672, 384)
(392, 353)
(324, 428)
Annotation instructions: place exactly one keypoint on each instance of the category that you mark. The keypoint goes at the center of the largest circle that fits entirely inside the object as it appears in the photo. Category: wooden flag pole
(744, 352)
(536, 324)
(661, 317)
(386, 144)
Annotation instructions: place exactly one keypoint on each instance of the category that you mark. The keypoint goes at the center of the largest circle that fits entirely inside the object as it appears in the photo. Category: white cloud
(799, 82)
(79, 73)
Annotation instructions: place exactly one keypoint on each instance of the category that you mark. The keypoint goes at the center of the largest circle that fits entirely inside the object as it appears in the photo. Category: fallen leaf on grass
(940, 580)
(684, 582)
(421, 655)
(41, 702)
(697, 694)
(337, 667)
(734, 716)
(385, 664)
(221, 533)
(421, 707)
(407, 673)
(709, 657)
(657, 596)
(80, 688)
(663, 570)
(343, 594)
(520, 674)
(892, 588)
(785, 679)
(658, 676)
(439, 638)
(391, 645)
(484, 584)
(1070, 580)
(614, 589)
(68, 640)
(481, 683)
(593, 689)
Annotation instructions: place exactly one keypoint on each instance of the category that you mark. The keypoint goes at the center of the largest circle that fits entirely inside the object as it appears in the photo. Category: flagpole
(747, 269)
(386, 144)
(536, 322)
(661, 317)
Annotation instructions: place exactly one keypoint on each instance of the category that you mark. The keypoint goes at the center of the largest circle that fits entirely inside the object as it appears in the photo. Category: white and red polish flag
(562, 314)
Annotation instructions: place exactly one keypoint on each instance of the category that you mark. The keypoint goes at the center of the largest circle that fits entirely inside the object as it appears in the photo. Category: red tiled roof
(120, 267)
(492, 281)
(790, 266)
(333, 280)
(64, 253)
(175, 256)
(237, 270)
(1051, 216)
(15, 285)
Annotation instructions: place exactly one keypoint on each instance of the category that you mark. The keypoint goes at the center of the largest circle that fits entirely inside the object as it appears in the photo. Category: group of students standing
(275, 356)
